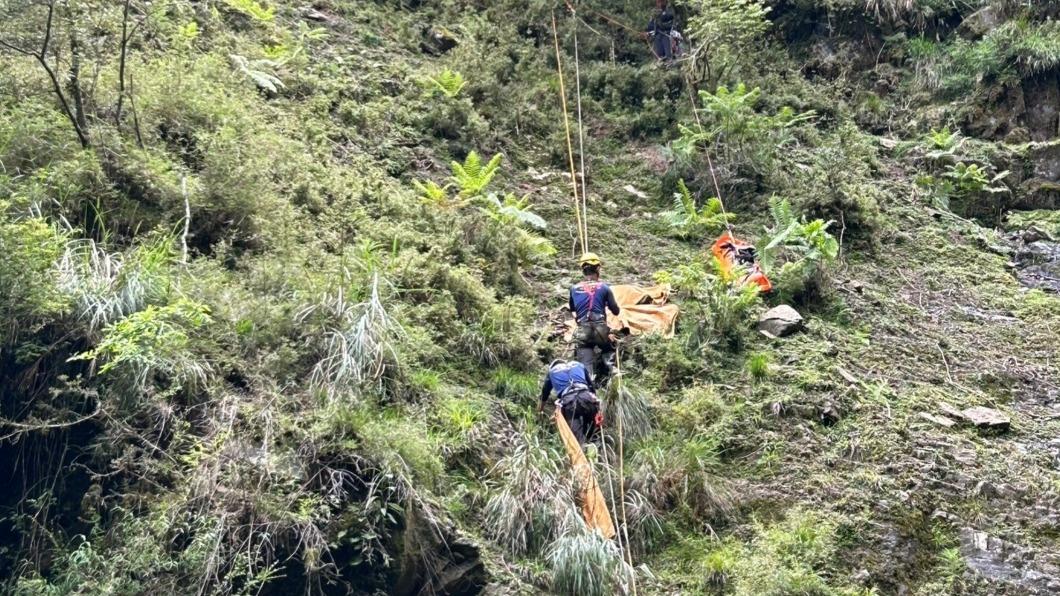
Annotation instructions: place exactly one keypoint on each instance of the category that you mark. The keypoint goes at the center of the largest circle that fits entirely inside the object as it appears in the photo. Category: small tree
(722, 32)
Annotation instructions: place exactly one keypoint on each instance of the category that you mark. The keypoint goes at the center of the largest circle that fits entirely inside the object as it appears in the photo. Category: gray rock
(1000, 561)
(980, 22)
(780, 321)
(986, 418)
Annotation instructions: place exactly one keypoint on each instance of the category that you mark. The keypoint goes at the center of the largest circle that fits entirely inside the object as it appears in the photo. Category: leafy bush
(29, 250)
(689, 221)
(153, 340)
(839, 185)
(722, 34)
(806, 247)
(737, 132)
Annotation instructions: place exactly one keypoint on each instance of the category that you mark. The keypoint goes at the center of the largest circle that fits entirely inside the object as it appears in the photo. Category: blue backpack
(564, 375)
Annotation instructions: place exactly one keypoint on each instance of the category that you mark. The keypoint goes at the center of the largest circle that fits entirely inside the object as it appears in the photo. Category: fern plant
(688, 221)
(472, 177)
(512, 211)
(806, 245)
(438, 197)
(448, 82)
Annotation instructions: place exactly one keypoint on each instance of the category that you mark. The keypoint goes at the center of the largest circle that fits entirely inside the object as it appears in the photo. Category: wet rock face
(1003, 562)
(437, 560)
(1038, 265)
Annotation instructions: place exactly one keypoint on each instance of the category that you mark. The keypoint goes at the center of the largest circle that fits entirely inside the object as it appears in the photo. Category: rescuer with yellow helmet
(589, 301)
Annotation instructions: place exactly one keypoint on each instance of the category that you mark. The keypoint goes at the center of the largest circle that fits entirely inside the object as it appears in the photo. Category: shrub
(806, 247)
(839, 186)
(152, 341)
(530, 504)
(29, 250)
(737, 132)
(722, 33)
(585, 563)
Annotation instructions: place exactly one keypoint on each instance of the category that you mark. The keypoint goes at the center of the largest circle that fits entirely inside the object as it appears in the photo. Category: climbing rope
(570, 147)
(581, 134)
(628, 553)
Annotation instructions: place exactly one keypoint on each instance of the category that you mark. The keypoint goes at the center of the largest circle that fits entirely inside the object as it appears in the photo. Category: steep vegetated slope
(275, 316)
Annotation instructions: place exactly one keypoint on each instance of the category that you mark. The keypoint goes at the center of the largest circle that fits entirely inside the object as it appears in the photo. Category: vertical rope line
(706, 152)
(622, 476)
(581, 134)
(570, 146)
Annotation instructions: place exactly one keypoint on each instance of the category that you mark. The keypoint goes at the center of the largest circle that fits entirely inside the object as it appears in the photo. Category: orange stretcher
(591, 499)
(732, 253)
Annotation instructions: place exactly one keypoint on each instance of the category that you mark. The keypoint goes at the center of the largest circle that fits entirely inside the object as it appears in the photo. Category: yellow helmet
(589, 258)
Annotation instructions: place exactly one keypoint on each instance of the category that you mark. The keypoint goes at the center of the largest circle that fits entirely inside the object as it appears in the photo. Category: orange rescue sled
(594, 509)
(732, 253)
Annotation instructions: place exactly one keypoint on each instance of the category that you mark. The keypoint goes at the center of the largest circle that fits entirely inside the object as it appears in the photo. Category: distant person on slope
(660, 31)
(574, 389)
(589, 300)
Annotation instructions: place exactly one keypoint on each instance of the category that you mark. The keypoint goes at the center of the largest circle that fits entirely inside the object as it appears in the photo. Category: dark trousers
(579, 408)
(588, 337)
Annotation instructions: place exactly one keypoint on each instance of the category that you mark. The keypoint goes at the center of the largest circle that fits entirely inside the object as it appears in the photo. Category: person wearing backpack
(573, 386)
(589, 302)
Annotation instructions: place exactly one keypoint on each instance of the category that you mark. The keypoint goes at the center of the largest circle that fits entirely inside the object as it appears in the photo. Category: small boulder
(980, 22)
(986, 418)
(780, 321)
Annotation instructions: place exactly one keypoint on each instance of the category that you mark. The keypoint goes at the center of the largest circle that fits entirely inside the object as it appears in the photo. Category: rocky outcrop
(999, 561)
(436, 559)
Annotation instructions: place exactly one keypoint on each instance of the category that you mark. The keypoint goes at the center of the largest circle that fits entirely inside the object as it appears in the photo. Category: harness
(591, 288)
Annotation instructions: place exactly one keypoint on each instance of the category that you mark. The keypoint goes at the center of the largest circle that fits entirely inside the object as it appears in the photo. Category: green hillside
(279, 283)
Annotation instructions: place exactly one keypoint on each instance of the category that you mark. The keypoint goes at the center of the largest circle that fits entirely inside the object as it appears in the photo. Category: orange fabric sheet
(594, 508)
(644, 310)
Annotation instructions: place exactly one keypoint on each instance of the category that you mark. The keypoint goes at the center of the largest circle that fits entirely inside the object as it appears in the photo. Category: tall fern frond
(471, 177)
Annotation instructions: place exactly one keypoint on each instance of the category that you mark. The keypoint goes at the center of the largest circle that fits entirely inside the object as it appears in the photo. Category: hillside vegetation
(279, 282)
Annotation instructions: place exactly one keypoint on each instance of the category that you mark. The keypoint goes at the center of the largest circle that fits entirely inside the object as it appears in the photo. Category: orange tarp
(594, 508)
(644, 310)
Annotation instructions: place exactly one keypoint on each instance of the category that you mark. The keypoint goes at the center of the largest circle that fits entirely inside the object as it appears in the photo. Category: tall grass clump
(359, 345)
(584, 563)
(107, 286)
(532, 503)
(626, 405)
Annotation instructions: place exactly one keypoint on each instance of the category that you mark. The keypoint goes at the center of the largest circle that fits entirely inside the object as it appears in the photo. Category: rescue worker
(660, 29)
(588, 302)
(573, 386)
